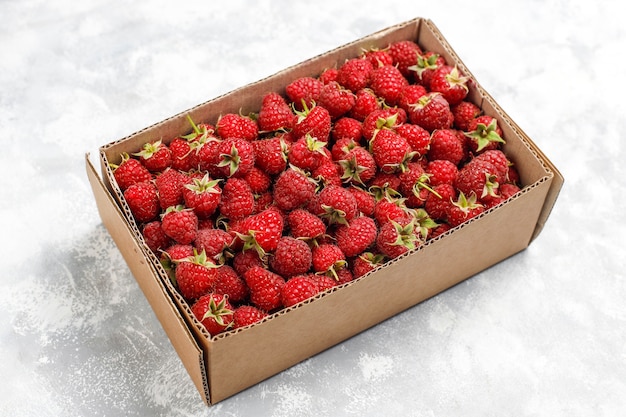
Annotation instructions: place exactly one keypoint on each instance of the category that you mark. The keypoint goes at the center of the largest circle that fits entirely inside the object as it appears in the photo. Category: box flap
(169, 317)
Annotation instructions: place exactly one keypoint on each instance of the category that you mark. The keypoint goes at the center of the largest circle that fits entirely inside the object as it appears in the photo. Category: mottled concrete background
(543, 333)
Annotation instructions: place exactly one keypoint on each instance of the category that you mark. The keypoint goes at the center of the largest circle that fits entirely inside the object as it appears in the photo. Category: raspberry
(298, 289)
(291, 257)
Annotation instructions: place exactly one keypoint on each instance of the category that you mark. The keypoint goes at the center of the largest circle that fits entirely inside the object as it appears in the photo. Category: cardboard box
(295, 334)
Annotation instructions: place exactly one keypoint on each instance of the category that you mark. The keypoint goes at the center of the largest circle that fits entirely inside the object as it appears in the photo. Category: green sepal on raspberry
(424, 222)
(217, 311)
(485, 134)
(406, 235)
(204, 184)
(425, 63)
(463, 209)
(149, 149)
(199, 132)
(230, 160)
(423, 183)
(491, 185)
(352, 171)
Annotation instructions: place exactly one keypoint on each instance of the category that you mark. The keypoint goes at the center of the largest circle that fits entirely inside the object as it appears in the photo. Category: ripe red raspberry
(341, 148)
(304, 92)
(263, 201)
(236, 158)
(329, 173)
(298, 289)
(365, 103)
(365, 201)
(343, 276)
(308, 153)
(338, 204)
(499, 161)
(271, 155)
(439, 230)
(426, 65)
(387, 118)
(195, 276)
(214, 311)
(388, 209)
(412, 179)
(246, 315)
(432, 111)
(324, 282)
(358, 166)
(244, 260)
(378, 57)
(202, 195)
(405, 54)
(388, 83)
(328, 258)
(417, 137)
(231, 284)
(265, 288)
(391, 151)
(397, 238)
(449, 81)
(291, 257)
(314, 121)
(508, 190)
(293, 189)
(355, 74)
(143, 201)
(184, 156)
(463, 209)
(231, 125)
(484, 134)
(176, 252)
(258, 180)
(366, 263)
(304, 224)
(441, 171)
(262, 231)
(438, 202)
(155, 237)
(479, 177)
(155, 156)
(130, 171)
(237, 199)
(275, 113)
(328, 75)
(464, 112)
(215, 243)
(347, 128)
(383, 182)
(336, 99)
(180, 223)
(445, 144)
(209, 156)
(410, 95)
(170, 185)
(355, 237)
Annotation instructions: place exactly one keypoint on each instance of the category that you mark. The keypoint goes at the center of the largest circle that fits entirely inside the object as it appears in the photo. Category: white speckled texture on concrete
(540, 334)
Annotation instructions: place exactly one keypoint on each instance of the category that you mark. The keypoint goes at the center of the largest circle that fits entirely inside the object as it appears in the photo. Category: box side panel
(169, 317)
(296, 334)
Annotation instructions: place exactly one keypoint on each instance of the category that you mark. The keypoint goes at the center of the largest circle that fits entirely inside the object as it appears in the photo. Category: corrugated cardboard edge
(170, 318)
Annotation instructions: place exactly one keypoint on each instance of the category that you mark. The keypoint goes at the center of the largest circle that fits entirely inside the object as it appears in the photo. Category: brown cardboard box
(295, 334)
